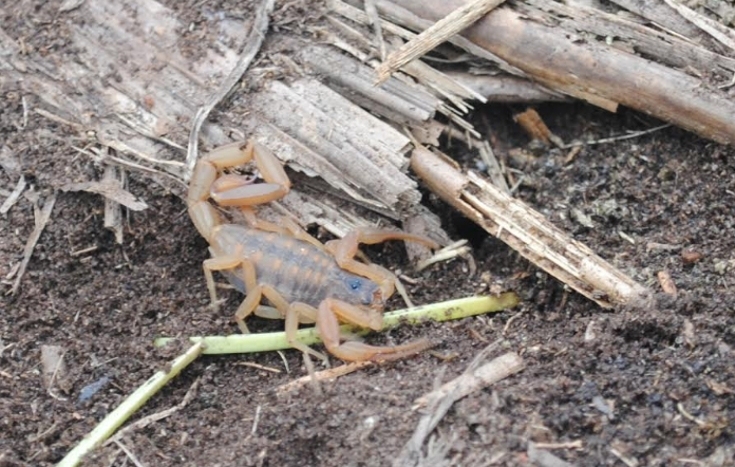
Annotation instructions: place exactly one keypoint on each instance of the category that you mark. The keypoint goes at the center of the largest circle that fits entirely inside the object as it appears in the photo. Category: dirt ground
(652, 386)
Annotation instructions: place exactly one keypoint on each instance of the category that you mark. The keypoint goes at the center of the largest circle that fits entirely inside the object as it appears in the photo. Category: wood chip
(691, 256)
(42, 217)
(667, 283)
(534, 125)
(723, 34)
(437, 403)
(442, 30)
(499, 368)
(14, 195)
(324, 375)
(111, 190)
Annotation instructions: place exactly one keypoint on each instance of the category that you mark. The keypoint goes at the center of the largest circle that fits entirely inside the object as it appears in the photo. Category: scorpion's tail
(232, 190)
(204, 216)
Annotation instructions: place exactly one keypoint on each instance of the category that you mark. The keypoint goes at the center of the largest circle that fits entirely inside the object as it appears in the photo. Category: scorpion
(305, 280)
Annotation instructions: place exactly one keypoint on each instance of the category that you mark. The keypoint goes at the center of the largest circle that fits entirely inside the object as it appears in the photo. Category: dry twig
(154, 417)
(252, 46)
(528, 232)
(445, 28)
(14, 195)
(324, 375)
(42, 219)
(595, 71)
(439, 402)
(723, 34)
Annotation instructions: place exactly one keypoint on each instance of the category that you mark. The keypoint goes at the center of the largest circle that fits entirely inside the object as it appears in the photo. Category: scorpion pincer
(305, 280)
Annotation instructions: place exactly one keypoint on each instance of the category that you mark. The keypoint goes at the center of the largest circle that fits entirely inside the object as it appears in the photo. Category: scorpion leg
(253, 297)
(254, 292)
(327, 325)
(345, 249)
(292, 313)
(218, 263)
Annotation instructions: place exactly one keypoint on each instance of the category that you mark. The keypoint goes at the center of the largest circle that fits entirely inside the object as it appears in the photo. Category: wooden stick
(42, 217)
(252, 47)
(594, 71)
(722, 33)
(445, 28)
(528, 232)
(439, 402)
(471, 381)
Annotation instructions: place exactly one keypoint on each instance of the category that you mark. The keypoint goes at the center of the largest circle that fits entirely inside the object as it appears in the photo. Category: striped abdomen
(297, 269)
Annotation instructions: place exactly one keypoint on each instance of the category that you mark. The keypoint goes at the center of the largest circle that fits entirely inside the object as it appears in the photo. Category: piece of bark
(358, 163)
(13, 196)
(42, 216)
(447, 86)
(144, 103)
(594, 71)
(435, 35)
(528, 232)
(395, 99)
(662, 15)
(416, 22)
(628, 35)
(506, 89)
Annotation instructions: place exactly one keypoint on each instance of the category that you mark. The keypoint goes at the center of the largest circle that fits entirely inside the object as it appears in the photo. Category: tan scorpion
(305, 280)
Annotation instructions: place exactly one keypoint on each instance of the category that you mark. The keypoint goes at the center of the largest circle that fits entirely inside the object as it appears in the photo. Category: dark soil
(653, 385)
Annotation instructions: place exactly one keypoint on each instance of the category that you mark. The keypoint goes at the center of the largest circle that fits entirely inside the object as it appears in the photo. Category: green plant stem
(128, 407)
(266, 342)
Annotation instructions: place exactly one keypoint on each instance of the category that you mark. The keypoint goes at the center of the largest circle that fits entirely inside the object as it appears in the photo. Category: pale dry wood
(372, 13)
(360, 167)
(329, 374)
(628, 35)
(438, 403)
(465, 384)
(111, 188)
(448, 87)
(667, 283)
(114, 177)
(395, 100)
(146, 112)
(430, 38)
(505, 88)
(13, 196)
(528, 232)
(406, 18)
(595, 71)
(721, 33)
(664, 17)
(42, 217)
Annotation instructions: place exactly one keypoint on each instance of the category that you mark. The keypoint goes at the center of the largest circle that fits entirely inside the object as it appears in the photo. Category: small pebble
(90, 390)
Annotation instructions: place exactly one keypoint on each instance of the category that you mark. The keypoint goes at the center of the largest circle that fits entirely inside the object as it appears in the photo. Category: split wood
(442, 30)
(528, 232)
(592, 70)
(42, 217)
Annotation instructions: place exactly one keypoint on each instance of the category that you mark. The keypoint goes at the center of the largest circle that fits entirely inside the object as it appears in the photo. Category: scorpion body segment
(297, 269)
(305, 280)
